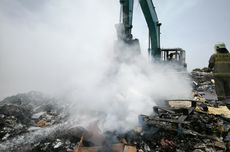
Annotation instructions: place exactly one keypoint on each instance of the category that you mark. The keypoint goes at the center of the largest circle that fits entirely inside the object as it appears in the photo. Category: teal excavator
(124, 32)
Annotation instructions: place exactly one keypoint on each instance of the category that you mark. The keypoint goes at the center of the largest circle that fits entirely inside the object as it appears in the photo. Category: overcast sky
(194, 25)
(40, 38)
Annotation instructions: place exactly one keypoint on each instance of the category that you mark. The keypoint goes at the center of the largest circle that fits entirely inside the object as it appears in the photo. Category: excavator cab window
(176, 55)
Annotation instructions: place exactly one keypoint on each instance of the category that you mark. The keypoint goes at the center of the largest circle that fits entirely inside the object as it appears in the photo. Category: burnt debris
(33, 122)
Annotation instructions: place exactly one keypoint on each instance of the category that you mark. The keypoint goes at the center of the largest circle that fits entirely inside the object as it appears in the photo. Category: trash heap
(198, 125)
(184, 128)
(33, 122)
(203, 85)
(26, 120)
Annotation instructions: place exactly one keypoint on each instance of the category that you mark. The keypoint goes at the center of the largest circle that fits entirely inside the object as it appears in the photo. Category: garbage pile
(185, 129)
(26, 119)
(33, 122)
(203, 84)
(198, 125)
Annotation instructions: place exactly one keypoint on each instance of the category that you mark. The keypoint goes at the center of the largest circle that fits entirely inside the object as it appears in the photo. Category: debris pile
(23, 117)
(203, 85)
(33, 122)
(185, 129)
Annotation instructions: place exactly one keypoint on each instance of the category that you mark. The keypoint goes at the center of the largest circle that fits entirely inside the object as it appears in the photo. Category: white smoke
(66, 48)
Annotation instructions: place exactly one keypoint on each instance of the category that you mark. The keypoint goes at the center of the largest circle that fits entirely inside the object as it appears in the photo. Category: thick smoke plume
(66, 48)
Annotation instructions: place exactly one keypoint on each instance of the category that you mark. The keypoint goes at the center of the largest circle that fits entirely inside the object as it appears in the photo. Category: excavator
(124, 33)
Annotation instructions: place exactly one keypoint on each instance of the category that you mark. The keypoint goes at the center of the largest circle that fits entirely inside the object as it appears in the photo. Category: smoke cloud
(66, 48)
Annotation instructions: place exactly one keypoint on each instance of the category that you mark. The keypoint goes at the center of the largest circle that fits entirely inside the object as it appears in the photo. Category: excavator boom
(126, 46)
(126, 17)
(124, 28)
(150, 14)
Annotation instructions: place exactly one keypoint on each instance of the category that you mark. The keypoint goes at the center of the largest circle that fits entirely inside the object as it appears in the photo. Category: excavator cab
(174, 55)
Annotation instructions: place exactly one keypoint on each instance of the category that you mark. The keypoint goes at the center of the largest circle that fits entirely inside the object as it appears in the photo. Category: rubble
(25, 114)
(33, 122)
(203, 85)
(196, 128)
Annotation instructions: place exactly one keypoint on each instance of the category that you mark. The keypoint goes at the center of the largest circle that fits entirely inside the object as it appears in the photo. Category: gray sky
(50, 42)
(194, 25)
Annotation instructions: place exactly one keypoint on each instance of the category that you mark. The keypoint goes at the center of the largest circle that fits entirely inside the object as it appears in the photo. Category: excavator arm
(150, 14)
(126, 18)
(126, 46)
(124, 28)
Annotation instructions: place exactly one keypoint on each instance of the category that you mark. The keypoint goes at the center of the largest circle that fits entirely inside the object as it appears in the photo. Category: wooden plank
(130, 149)
(115, 147)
